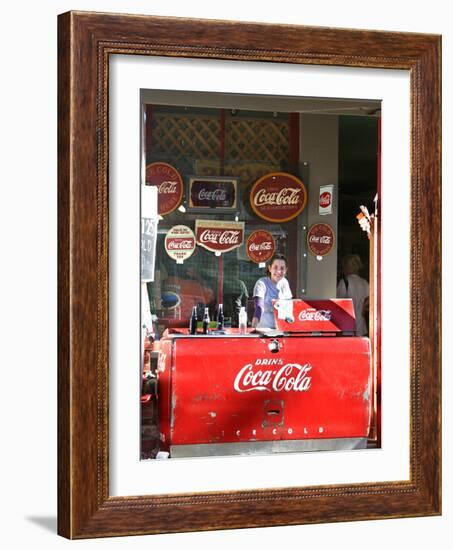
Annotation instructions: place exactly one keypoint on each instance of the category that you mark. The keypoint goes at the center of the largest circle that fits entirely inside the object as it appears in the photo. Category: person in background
(351, 285)
(272, 287)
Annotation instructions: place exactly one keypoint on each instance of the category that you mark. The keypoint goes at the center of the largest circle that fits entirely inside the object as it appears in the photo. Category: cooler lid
(334, 315)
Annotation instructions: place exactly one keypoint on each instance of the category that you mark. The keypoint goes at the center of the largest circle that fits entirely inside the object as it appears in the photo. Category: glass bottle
(220, 318)
(193, 321)
(206, 321)
(242, 321)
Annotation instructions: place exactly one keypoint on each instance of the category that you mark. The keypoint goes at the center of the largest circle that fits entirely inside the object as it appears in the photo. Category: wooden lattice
(257, 140)
(253, 146)
(186, 136)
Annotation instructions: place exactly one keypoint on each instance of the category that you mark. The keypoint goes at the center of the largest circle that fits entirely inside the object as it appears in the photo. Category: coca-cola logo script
(325, 199)
(169, 185)
(320, 239)
(180, 242)
(313, 314)
(278, 197)
(273, 375)
(260, 246)
(219, 236)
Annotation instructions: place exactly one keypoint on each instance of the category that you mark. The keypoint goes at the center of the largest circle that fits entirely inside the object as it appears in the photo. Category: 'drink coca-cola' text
(286, 377)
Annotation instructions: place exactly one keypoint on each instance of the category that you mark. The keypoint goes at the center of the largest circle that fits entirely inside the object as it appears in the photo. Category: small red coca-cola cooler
(304, 386)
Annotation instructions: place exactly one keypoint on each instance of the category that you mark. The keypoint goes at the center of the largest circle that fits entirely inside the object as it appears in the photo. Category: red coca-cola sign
(320, 239)
(219, 236)
(325, 199)
(278, 197)
(303, 316)
(260, 246)
(180, 242)
(169, 185)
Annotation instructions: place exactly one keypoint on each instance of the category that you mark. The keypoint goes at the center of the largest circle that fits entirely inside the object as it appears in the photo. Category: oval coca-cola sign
(260, 246)
(320, 239)
(219, 236)
(169, 186)
(180, 242)
(278, 197)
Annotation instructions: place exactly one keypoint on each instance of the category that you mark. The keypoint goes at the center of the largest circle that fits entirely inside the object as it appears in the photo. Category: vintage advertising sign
(325, 199)
(180, 243)
(260, 246)
(334, 315)
(206, 192)
(219, 236)
(169, 185)
(320, 239)
(278, 197)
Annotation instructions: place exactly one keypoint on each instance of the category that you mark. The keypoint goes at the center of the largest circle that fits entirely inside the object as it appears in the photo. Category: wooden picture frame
(85, 508)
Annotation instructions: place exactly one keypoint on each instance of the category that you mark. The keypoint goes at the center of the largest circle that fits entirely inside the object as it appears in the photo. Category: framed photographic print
(237, 381)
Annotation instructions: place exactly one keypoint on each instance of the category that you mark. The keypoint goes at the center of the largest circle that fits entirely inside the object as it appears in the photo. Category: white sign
(180, 243)
(326, 199)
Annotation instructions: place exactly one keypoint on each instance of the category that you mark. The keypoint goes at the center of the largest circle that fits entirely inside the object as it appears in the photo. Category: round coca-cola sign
(260, 246)
(169, 185)
(320, 239)
(325, 199)
(180, 242)
(278, 197)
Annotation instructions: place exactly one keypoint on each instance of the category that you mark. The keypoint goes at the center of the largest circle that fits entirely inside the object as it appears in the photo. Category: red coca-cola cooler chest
(275, 391)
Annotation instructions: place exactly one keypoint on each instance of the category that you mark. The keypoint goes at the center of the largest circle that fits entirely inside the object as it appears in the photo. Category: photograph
(261, 278)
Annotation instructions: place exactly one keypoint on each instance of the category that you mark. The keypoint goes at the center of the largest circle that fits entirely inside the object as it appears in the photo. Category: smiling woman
(268, 289)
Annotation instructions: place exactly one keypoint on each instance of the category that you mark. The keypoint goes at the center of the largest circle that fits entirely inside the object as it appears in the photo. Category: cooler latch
(274, 346)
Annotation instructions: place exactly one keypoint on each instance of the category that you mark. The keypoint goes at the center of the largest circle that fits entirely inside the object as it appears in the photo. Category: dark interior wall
(357, 172)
